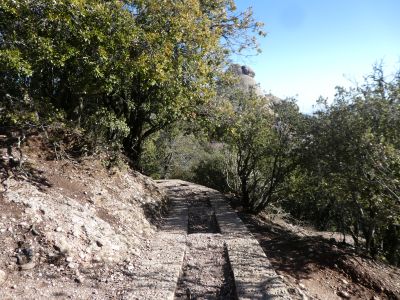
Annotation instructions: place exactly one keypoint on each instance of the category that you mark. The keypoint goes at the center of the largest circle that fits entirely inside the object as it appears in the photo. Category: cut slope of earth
(64, 224)
(319, 265)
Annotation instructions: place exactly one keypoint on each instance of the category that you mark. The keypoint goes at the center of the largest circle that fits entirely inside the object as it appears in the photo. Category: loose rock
(344, 281)
(27, 266)
(78, 279)
(34, 230)
(3, 277)
(344, 294)
(72, 265)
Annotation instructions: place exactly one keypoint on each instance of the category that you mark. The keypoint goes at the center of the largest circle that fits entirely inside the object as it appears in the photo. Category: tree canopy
(120, 70)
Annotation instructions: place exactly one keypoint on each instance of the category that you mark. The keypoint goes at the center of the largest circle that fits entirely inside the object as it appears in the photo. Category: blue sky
(314, 45)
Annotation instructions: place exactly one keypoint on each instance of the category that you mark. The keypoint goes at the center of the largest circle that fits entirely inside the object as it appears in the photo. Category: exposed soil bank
(71, 228)
(321, 267)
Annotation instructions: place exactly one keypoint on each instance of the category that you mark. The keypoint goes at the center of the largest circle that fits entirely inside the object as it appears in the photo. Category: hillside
(73, 229)
(58, 217)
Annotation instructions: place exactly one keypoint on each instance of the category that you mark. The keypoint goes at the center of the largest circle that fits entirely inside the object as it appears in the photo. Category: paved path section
(254, 276)
(157, 275)
(205, 270)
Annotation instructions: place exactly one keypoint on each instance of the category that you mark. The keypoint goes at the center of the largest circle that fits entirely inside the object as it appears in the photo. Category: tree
(348, 176)
(120, 70)
(259, 136)
(181, 59)
(63, 60)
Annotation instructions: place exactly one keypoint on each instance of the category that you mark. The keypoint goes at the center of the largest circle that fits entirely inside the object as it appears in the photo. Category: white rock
(96, 259)
(63, 244)
(3, 277)
(71, 265)
(28, 266)
(115, 247)
(344, 294)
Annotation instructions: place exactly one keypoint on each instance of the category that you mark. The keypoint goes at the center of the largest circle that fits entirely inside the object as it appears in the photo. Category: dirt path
(206, 273)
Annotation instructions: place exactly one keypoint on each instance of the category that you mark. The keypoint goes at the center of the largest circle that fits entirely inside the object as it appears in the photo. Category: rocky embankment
(65, 225)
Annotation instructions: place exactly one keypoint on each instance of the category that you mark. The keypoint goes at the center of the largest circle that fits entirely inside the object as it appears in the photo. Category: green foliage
(338, 169)
(348, 176)
(105, 125)
(131, 67)
(181, 59)
(185, 153)
(211, 171)
(260, 138)
(60, 59)
(173, 152)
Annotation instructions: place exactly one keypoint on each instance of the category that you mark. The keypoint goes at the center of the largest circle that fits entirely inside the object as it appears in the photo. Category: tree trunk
(245, 192)
(133, 147)
(392, 244)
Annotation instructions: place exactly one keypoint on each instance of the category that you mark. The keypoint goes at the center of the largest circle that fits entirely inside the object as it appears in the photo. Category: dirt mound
(58, 217)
